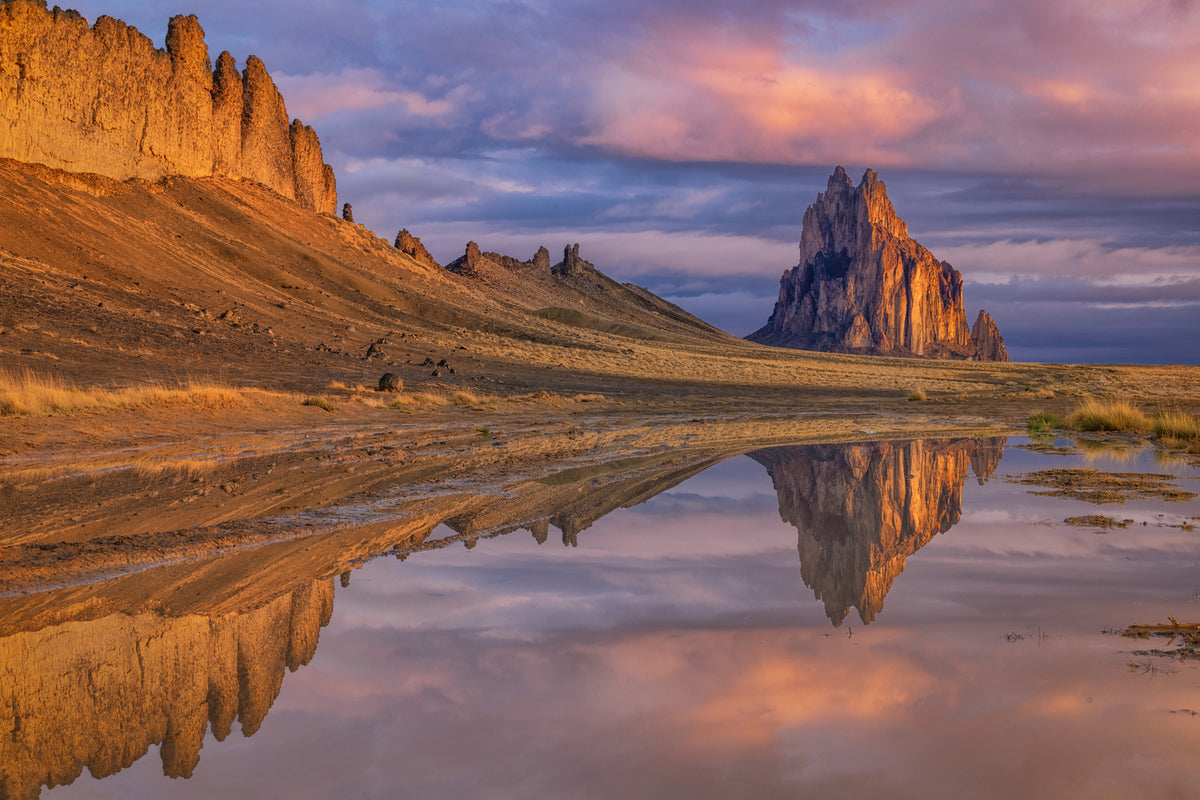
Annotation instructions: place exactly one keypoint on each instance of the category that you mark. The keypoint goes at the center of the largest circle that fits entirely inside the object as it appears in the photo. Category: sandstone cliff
(863, 286)
(104, 100)
(861, 510)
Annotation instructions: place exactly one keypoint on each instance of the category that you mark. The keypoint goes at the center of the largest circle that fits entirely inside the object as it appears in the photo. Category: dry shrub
(1107, 415)
(918, 396)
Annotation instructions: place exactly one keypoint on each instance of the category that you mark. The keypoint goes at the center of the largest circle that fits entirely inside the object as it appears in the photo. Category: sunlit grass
(28, 394)
(1108, 415)
(918, 396)
(1176, 425)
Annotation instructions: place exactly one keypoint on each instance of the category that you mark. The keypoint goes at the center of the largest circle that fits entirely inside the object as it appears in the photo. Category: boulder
(390, 382)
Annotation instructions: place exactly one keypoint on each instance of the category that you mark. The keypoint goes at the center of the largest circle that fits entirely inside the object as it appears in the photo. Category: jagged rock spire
(864, 286)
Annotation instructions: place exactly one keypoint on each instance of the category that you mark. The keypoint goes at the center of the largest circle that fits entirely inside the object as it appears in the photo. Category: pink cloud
(1062, 88)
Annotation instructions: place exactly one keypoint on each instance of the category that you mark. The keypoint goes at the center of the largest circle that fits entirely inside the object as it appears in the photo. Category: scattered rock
(390, 382)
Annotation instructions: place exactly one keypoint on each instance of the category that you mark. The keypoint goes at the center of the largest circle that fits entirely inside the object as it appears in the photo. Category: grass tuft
(1111, 415)
(1176, 426)
(319, 402)
(918, 396)
(1045, 423)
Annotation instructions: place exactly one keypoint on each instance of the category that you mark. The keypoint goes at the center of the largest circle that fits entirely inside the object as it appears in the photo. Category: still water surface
(892, 620)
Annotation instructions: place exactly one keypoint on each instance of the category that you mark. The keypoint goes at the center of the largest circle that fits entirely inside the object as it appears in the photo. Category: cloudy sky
(1049, 149)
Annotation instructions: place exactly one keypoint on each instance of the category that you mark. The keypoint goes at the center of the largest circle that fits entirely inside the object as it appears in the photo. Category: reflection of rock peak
(861, 510)
(99, 693)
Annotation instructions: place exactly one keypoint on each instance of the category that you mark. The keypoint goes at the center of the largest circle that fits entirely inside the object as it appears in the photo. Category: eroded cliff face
(103, 99)
(99, 693)
(861, 510)
(864, 286)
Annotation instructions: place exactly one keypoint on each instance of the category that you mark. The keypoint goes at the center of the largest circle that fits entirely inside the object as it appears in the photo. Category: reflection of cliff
(99, 693)
(572, 500)
(861, 510)
(93, 674)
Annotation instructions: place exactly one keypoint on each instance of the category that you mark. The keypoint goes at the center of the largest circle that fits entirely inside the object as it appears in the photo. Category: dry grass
(465, 397)
(29, 394)
(319, 402)
(918, 396)
(1176, 426)
(1108, 415)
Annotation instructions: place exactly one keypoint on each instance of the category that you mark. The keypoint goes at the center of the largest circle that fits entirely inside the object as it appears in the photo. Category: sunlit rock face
(863, 286)
(99, 693)
(861, 510)
(104, 100)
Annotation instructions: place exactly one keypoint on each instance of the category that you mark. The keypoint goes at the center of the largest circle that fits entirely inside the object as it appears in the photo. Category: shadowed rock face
(863, 286)
(104, 100)
(987, 339)
(99, 693)
(572, 263)
(861, 510)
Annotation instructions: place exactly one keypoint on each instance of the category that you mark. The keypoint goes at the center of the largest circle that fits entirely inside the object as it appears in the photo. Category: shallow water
(822, 620)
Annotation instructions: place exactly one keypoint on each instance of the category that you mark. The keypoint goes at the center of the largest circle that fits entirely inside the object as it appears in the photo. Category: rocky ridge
(104, 100)
(864, 286)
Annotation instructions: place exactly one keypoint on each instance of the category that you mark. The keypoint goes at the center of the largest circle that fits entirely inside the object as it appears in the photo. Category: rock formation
(348, 212)
(988, 341)
(571, 264)
(470, 262)
(104, 100)
(863, 286)
(411, 246)
(861, 510)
